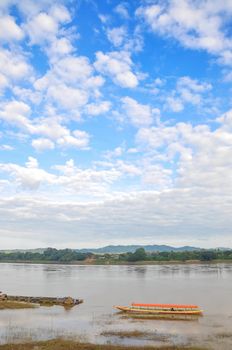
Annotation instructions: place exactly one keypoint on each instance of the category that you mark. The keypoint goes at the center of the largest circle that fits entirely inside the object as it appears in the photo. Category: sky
(115, 123)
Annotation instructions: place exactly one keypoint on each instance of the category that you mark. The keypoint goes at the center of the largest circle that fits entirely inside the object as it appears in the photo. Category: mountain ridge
(117, 249)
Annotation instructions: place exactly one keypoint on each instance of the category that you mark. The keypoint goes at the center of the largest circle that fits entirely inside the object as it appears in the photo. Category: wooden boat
(160, 309)
(48, 301)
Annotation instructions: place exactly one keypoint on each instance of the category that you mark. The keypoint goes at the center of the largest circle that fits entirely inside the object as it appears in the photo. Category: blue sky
(115, 123)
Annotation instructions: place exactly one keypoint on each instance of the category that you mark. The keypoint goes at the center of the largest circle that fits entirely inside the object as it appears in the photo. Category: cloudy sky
(115, 123)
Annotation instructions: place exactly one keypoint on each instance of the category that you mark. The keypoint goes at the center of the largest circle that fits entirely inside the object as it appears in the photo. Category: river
(101, 287)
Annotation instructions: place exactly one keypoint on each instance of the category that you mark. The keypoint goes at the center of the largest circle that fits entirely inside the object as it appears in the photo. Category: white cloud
(187, 90)
(103, 18)
(9, 30)
(16, 113)
(175, 104)
(6, 148)
(13, 67)
(73, 69)
(69, 84)
(32, 163)
(138, 114)
(156, 137)
(69, 179)
(122, 10)
(199, 155)
(195, 24)
(67, 97)
(42, 144)
(117, 35)
(194, 202)
(98, 108)
(118, 66)
(59, 47)
(44, 27)
(79, 139)
(193, 85)
(158, 175)
(117, 152)
(28, 177)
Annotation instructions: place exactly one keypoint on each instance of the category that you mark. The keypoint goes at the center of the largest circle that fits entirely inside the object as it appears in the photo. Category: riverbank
(60, 344)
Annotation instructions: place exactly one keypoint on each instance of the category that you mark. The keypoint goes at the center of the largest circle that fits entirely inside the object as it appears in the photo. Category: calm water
(101, 287)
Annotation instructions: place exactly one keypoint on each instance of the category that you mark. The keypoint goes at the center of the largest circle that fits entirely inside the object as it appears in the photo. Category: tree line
(69, 255)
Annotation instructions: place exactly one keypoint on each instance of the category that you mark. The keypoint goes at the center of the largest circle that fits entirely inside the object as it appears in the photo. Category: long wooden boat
(161, 309)
(48, 301)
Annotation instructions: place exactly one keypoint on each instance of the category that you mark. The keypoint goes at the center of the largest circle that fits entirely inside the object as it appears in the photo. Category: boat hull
(133, 310)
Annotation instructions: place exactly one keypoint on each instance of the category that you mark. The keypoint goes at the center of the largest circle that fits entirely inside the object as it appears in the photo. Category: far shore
(121, 263)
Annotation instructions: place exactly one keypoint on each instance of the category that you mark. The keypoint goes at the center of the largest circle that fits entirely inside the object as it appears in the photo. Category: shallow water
(101, 287)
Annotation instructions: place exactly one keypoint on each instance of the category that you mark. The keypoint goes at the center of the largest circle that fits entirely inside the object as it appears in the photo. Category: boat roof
(182, 306)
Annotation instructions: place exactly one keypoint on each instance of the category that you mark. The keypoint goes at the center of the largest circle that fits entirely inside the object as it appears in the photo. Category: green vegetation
(140, 255)
(60, 344)
(196, 255)
(136, 334)
(49, 255)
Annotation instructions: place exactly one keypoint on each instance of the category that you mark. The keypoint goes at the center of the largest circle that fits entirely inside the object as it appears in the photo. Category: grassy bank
(7, 304)
(72, 345)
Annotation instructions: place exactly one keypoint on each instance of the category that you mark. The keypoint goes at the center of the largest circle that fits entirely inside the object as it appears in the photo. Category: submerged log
(65, 301)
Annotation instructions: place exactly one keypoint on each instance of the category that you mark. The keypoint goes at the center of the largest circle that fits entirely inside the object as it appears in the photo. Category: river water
(101, 287)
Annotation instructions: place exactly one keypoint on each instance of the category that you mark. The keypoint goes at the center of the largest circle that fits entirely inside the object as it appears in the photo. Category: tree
(208, 255)
(138, 255)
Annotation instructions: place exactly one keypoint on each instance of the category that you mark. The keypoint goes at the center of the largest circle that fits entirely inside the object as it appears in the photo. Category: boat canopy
(179, 306)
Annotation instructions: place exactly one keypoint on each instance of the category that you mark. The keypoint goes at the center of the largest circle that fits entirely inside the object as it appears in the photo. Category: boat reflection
(167, 317)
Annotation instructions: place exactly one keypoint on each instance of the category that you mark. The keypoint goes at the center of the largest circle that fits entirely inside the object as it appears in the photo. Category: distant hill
(116, 249)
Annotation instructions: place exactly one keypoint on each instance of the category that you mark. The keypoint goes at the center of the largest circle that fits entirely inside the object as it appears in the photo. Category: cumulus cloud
(138, 114)
(98, 108)
(116, 35)
(44, 26)
(13, 67)
(9, 30)
(78, 139)
(187, 91)
(195, 24)
(122, 10)
(186, 146)
(70, 83)
(42, 144)
(17, 113)
(67, 178)
(29, 176)
(118, 66)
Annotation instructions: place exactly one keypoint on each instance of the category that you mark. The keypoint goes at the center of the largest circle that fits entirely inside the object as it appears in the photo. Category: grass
(60, 344)
(7, 304)
(224, 335)
(135, 334)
